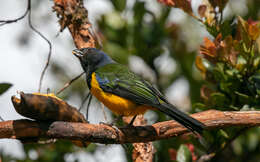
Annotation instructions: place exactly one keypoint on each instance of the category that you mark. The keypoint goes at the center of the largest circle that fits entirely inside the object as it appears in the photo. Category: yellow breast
(116, 104)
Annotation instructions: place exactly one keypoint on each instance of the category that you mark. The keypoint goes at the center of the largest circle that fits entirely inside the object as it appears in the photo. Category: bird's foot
(131, 124)
(110, 125)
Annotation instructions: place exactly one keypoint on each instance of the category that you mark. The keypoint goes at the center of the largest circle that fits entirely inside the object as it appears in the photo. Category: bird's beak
(78, 53)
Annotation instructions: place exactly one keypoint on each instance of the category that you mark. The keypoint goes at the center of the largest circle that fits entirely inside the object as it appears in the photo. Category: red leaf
(192, 149)
(172, 153)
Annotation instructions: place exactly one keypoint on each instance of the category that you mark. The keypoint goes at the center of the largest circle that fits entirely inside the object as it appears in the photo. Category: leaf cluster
(229, 63)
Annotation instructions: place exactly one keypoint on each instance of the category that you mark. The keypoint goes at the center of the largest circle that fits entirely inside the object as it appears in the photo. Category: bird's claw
(110, 125)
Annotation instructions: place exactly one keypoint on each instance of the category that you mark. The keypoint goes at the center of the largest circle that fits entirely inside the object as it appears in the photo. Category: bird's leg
(87, 111)
(132, 121)
(87, 98)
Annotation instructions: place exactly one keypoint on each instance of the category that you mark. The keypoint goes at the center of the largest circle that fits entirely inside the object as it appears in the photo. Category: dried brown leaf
(209, 48)
(46, 107)
(172, 154)
(185, 5)
(253, 31)
(205, 92)
(202, 10)
(199, 65)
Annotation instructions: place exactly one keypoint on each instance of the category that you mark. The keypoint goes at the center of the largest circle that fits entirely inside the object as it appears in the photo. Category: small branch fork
(69, 83)
(29, 12)
(4, 22)
(213, 119)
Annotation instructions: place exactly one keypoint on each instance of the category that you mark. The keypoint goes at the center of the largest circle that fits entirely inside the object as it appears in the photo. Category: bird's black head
(91, 59)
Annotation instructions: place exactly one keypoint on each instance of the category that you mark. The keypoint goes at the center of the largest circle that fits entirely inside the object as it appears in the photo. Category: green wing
(118, 80)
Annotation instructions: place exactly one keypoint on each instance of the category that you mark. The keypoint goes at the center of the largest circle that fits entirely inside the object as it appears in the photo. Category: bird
(124, 92)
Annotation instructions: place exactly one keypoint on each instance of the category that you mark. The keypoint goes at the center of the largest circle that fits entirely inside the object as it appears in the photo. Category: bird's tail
(182, 118)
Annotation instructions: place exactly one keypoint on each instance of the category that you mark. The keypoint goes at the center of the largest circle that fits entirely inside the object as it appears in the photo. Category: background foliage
(222, 74)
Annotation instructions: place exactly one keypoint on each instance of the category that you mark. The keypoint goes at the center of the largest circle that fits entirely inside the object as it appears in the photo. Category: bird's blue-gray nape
(105, 59)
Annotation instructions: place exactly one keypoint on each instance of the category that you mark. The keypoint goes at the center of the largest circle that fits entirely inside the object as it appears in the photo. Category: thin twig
(206, 157)
(221, 17)
(69, 83)
(89, 96)
(48, 141)
(4, 22)
(43, 37)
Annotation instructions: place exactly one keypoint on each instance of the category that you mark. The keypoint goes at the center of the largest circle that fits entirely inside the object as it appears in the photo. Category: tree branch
(26, 129)
(72, 14)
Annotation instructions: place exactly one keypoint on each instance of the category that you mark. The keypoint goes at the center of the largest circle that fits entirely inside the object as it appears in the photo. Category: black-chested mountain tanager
(125, 93)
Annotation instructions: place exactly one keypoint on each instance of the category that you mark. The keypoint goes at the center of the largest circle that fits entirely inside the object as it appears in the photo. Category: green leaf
(4, 87)
(223, 133)
(212, 29)
(243, 32)
(119, 4)
(199, 106)
(219, 72)
(219, 100)
(226, 28)
(232, 72)
(139, 12)
(184, 154)
(241, 63)
(254, 83)
(255, 78)
(244, 98)
(91, 148)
